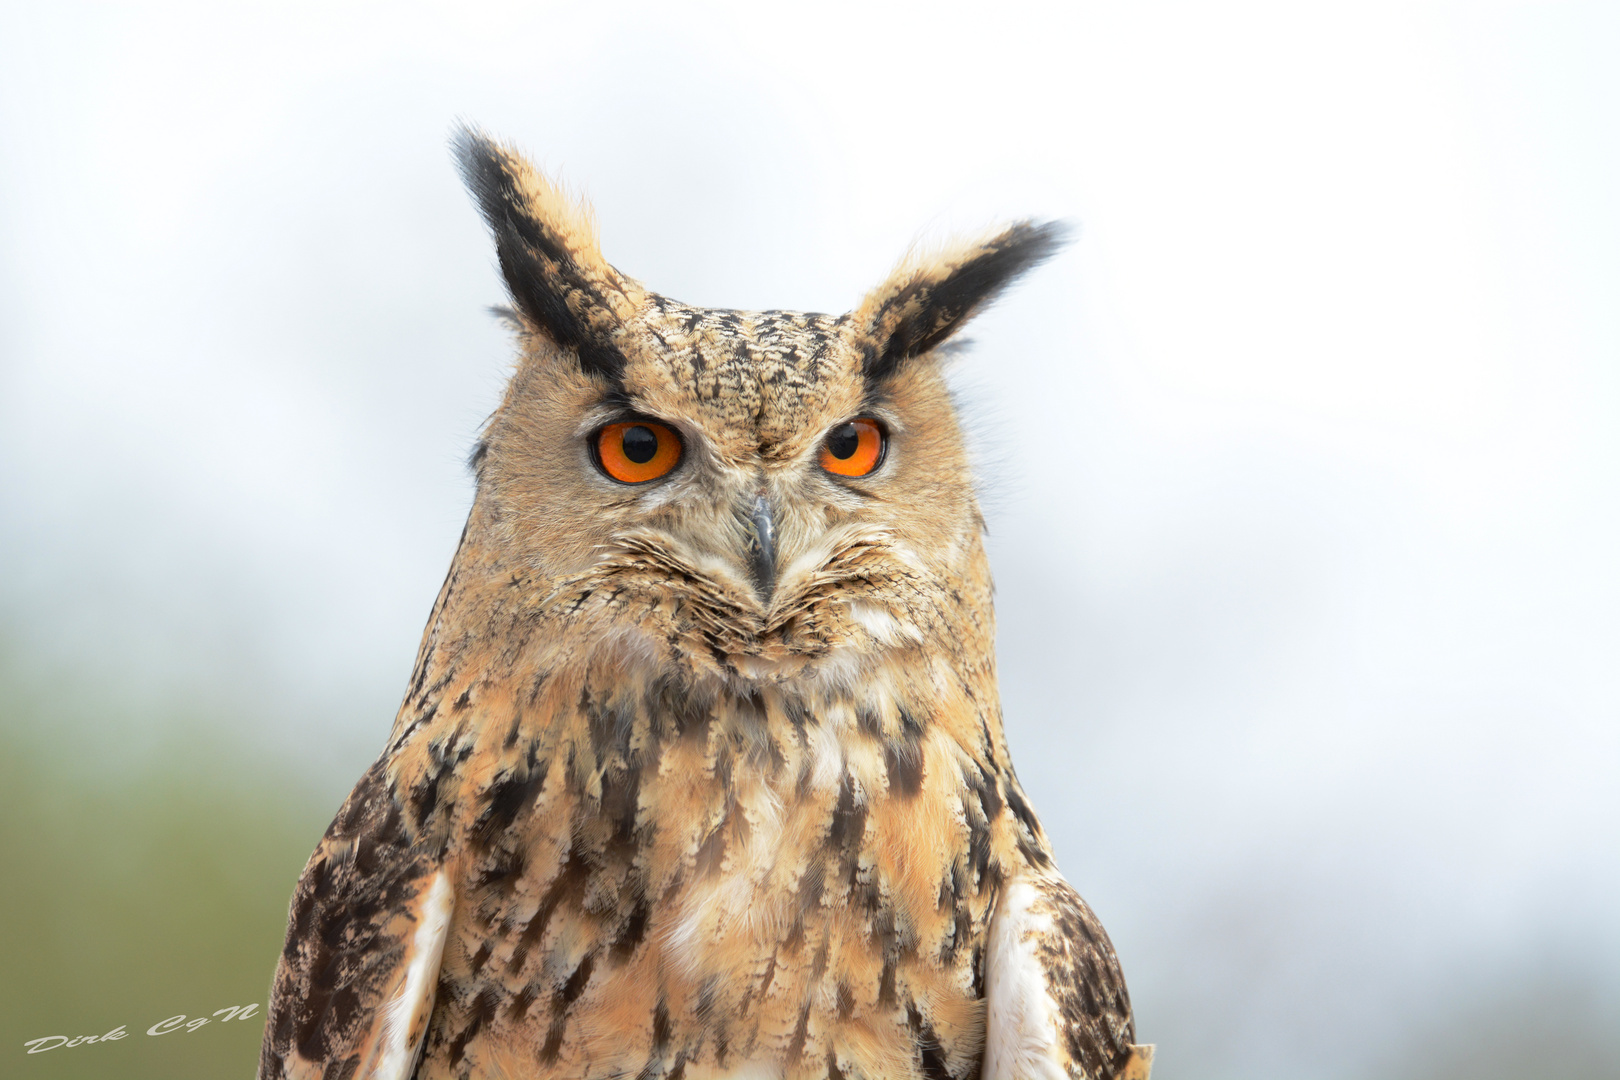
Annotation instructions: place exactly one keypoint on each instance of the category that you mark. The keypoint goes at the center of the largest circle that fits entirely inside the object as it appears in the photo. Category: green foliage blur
(140, 882)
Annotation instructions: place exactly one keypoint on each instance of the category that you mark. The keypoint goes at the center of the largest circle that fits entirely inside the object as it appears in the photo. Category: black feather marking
(546, 281)
(567, 887)
(929, 310)
(480, 450)
(632, 933)
(508, 796)
(482, 1011)
(903, 758)
(575, 986)
(930, 1055)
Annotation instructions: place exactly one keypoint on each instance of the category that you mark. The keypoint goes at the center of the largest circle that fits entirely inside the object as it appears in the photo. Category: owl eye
(855, 448)
(637, 451)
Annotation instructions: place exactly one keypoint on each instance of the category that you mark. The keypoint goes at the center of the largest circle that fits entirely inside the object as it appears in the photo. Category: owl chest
(787, 914)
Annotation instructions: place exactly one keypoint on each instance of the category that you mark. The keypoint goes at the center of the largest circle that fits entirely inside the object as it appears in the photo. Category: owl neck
(878, 686)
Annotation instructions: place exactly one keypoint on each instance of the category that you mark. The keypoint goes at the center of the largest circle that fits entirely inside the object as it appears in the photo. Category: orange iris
(637, 451)
(853, 449)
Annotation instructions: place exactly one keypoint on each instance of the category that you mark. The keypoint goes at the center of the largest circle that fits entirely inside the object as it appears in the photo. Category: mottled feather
(660, 818)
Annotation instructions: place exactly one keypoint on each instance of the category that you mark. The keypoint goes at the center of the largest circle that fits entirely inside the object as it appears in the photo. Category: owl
(700, 771)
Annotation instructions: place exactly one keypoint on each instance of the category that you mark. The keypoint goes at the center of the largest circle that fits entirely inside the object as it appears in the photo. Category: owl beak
(762, 547)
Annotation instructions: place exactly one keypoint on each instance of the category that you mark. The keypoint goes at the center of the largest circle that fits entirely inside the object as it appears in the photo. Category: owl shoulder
(355, 984)
(1057, 1004)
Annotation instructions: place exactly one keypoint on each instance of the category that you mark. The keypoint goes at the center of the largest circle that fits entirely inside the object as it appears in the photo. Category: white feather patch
(1020, 1030)
(415, 999)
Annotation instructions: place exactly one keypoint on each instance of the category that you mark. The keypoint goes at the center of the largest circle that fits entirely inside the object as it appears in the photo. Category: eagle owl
(700, 771)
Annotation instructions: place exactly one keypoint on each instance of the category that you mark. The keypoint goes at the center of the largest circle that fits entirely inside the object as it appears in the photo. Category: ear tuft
(929, 298)
(546, 244)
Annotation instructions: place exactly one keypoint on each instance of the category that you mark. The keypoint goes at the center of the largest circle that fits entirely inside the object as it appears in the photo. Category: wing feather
(354, 987)
(1057, 1004)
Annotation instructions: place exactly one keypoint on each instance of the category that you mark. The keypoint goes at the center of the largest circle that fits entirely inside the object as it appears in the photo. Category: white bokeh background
(1302, 465)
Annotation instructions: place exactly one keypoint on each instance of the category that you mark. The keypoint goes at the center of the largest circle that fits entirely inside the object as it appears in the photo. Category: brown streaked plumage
(703, 776)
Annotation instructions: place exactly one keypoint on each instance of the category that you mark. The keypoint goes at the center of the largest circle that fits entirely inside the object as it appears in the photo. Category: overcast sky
(1302, 465)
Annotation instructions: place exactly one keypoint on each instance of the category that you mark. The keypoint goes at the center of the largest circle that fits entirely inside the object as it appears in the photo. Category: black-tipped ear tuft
(546, 244)
(925, 301)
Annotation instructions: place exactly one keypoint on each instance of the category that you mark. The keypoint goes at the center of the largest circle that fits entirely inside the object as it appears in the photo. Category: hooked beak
(762, 547)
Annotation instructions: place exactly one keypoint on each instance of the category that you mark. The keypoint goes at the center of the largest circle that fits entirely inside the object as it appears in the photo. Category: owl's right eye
(637, 451)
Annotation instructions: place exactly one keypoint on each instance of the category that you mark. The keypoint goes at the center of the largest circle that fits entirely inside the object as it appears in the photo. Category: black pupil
(844, 441)
(640, 444)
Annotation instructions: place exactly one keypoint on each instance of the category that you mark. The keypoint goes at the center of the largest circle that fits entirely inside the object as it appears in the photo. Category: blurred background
(1302, 465)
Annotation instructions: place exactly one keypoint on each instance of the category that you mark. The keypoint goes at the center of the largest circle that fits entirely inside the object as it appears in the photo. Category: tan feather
(695, 822)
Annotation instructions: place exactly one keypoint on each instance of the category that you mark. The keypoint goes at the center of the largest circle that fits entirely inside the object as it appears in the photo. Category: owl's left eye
(855, 448)
(637, 451)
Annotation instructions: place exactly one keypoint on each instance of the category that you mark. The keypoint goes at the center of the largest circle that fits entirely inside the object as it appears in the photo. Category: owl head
(776, 487)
